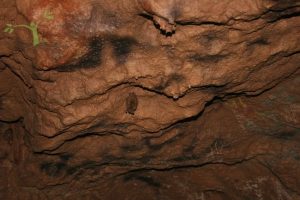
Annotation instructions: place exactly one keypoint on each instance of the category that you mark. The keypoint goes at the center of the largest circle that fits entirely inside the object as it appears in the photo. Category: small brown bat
(131, 103)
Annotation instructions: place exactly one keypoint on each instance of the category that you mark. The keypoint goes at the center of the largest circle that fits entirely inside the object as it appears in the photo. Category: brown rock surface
(149, 99)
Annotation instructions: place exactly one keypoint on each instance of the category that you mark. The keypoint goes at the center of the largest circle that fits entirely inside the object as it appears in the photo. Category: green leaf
(48, 15)
(8, 30)
(11, 30)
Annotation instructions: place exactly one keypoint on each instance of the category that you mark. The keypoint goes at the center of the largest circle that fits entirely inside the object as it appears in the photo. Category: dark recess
(259, 41)
(53, 169)
(146, 179)
(173, 78)
(206, 58)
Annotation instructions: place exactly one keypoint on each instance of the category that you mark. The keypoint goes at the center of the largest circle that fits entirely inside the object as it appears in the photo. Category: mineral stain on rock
(91, 59)
(122, 47)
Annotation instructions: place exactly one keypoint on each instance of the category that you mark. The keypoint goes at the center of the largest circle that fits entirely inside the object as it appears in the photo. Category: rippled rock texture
(150, 99)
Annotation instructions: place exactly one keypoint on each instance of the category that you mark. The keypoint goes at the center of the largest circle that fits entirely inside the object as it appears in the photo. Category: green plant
(10, 28)
(33, 27)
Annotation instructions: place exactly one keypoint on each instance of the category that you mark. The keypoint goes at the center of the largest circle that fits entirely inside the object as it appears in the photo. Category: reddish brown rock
(148, 99)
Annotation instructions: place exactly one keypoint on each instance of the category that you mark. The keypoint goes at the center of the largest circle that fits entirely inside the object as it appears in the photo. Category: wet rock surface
(148, 99)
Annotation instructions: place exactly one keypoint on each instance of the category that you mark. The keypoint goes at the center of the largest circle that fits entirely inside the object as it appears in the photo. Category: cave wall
(149, 99)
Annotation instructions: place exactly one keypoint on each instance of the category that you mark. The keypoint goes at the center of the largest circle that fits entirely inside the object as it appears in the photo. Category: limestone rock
(149, 99)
